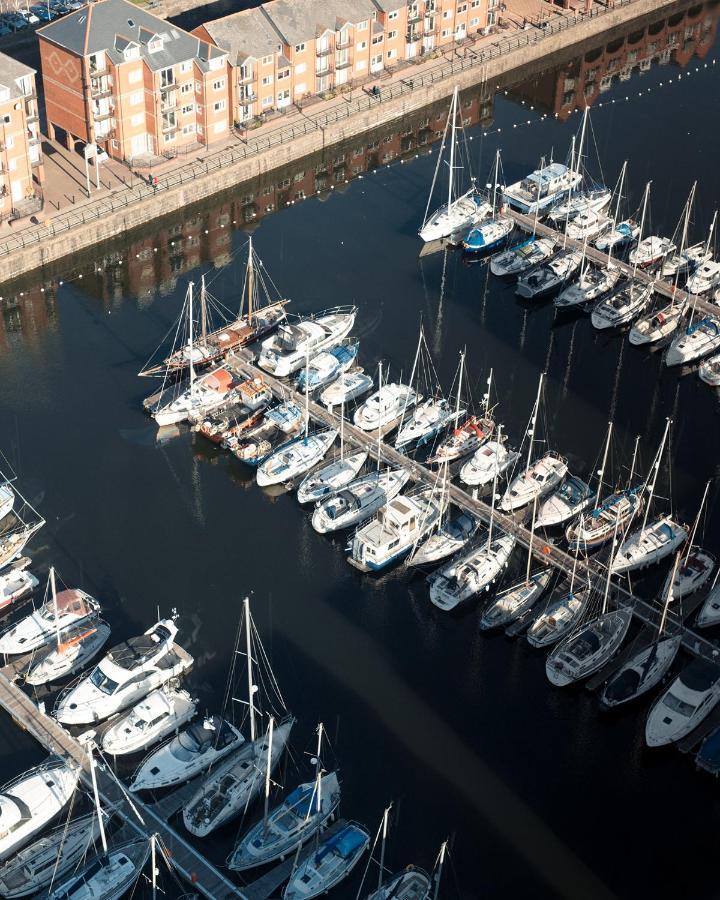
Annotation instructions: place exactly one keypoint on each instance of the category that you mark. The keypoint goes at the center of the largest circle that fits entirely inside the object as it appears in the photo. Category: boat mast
(421, 338)
(495, 182)
(696, 523)
(655, 470)
(710, 233)
(342, 428)
(642, 223)
(190, 336)
(386, 814)
(250, 281)
(494, 487)
(55, 606)
(533, 420)
(669, 596)
(251, 686)
(379, 430)
(440, 864)
(577, 553)
(307, 391)
(582, 139)
(318, 778)
(621, 183)
(451, 176)
(268, 769)
(460, 377)
(601, 473)
(437, 166)
(570, 192)
(683, 239)
(634, 460)
(203, 310)
(90, 745)
(611, 558)
(532, 537)
(154, 867)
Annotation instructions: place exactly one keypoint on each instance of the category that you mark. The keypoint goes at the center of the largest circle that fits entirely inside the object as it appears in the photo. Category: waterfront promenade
(130, 201)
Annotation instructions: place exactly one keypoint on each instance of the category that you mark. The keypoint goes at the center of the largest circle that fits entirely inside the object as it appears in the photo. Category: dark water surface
(544, 795)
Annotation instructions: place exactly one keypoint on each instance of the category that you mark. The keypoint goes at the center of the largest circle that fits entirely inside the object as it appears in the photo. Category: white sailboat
(562, 613)
(108, 876)
(523, 256)
(550, 276)
(358, 501)
(465, 438)
(20, 522)
(161, 713)
(696, 341)
(705, 275)
(460, 210)
(710, 610)
(592, 285)
(449, 535)
(491, 233)
(328, 365)
(16, 584)
(696, 565)
(385, 409)
(332, 477)
(295, 458)
(709, 371)
(333, 860)
(410, 884)
(492, 460)
(7, 499)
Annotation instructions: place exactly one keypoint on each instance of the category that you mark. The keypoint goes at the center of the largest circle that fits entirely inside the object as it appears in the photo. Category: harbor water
(540, 793)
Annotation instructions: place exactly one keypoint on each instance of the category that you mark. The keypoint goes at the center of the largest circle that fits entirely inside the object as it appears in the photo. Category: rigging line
(264, 658)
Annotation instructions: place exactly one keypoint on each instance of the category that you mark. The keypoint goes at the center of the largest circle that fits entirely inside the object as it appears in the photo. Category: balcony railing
(342, 44)
(243, 79)
(343, 64)
(169, 127)
(413, 16)
(101, 116)
(170, 86)
(248, 97)
(323, 51)
(411, 36)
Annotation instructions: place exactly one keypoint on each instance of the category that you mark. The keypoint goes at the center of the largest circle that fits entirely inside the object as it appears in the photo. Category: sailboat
(652, 542)
(300, 817)
(621, 233)
(491, 460)
(550, 276)
(581, 198)
(651, 251)
(7, 499)
(709, 371)
(705, 275)
(449, 536)
(696, 341)
(592, 223)
(710, 610)
(648, 666)
(385, 409)
(540, 476)
(564, 610)
(688, 257)
(331, 477)
(108, 876)
(472, 433)
(696, 565)
(255, 319)
(358, 501)
(411, 884)
(492, 233)
(523, 256)
(295, 458)
(516, 600)
(331, 862)
(460, 210)
(592, 285)
(239, 778)
(19, 523)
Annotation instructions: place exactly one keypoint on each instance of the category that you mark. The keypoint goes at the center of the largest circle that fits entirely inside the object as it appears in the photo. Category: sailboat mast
(459, 393)
(248, 650)
(382, 846)
(190, 336)
(570, 192)
(318, 774)
(307, 391)
(621, 184)
(601, 473)
(710, 233)
(441, 863)
(96, 795)
(696, 523)
(250, 281)
(577, 553)
(55, 606)
(609, 566)
(451, 177)
(532, 538)
(669, 596)
(634, 460)
(495, 182)
(582, 138)
(342, 429)
(494, 487)
(533, 420)
(154, 866)
(487, 395)
(642, 222)
(268, 768)
(656, 469)
(203, 310)
(379, 430)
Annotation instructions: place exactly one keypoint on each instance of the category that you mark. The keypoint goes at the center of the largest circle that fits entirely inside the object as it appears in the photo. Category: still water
(542, 794)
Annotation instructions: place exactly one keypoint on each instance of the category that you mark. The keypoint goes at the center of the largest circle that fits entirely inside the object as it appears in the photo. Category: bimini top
(136, 651)
(220, 380)
(71, 601)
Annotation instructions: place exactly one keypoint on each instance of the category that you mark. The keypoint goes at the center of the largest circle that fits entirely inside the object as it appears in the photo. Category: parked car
(29, 16)
(42, 13)
(16, 21)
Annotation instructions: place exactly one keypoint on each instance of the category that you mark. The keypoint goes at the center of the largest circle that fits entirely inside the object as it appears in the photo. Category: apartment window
(362, 26)
(198, 87)
(137, 119)
(299, 48)
(376, 62)
(447, 14)
(135, 98)
(186, 66)
(475, 4)
(134, 75)
(446, 32)
(189, 128)
(283, 73)
(267, 101)
(166, 77)
(219, 85)
(462, 8)
(362, 45)
(155, 45)
(168, 137)
(283, 97)
(131, 53)
(115, 145)
(267, 79)
(378, 39)
(267, 60)
(186, 110)
(474, 22)
(186, 88)
(392, 35)
(393, 14)
(391, 54)
(219, 106)
(9, 140)
(300, 68)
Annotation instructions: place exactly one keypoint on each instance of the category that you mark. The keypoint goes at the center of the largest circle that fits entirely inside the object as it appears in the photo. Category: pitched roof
(10, 71)
(300, 20)
(111, 24)
(244, 34)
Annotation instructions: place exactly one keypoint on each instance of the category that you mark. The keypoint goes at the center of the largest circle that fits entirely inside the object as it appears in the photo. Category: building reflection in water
(153, 262)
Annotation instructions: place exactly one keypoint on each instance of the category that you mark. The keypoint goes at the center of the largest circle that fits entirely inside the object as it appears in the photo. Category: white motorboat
(7, 500)
(333, 860)
(359, 501)
(622, 306)
(128, 672)
(328, 365)
(692, 574)
(542, 189)
(160, 714)
(203, 394)
(16, 584)
(598, 526)
(426, 420)
(346, 388)
(589, 649)
(623, 234)
(550, 276)
(33, 868)
(412, 884)
(642, 671)
(710, 610)
(697, 340)
(658, 325)
(463, 440)
(331, 477)
(648, 545)
(233, 784)
(401, 524)
(568, 501)
(302, 814)
(287, 350)
(651, 251)
(489, 235)
(73, 651)
(540, 478)
(705, 278)
(516, 600)
(559, 617)
(492, 460)
(71, 608)
(592, 285)
(709, 371)
(32, 800)
(582, 202)
(522, 257)
(108, 876)
(286, 416)
(450, 538)
(296, 458)
(681, 263)
(471, 572)
(192, 751)
(588, 225)
(684, 705)
(383, 410)
(460, 210)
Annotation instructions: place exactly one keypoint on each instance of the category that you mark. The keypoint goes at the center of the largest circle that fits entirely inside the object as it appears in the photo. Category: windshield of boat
(679, 706)
(102, 682)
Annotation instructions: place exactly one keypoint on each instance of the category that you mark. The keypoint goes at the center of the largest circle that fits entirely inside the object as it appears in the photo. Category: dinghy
(472, 572)
(192, 751)
(108, 876)
(15, 585)
(295, 458)
(346, 388)
(568, 501)
(333, 860)
(287, 350)
(589, 649)
(522, 257)
(709, 371)
(690, 698)
(160, 714)
(304, 812)
(328, 365)
(699, 339)
(550, 276)
(516, 600)
(331, 477)
(359, 501)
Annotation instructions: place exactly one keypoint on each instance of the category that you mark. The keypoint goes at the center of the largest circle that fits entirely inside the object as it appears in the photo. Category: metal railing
(95, 210)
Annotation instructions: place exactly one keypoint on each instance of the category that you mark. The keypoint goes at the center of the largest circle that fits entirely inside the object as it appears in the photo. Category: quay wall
(112, 216)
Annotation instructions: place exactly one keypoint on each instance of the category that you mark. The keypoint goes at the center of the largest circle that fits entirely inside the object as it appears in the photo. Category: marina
(150, 520)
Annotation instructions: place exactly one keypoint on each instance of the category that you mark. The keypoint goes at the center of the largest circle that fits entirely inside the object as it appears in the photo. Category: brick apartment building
(131, 83)
(287, 50)
(21, 162)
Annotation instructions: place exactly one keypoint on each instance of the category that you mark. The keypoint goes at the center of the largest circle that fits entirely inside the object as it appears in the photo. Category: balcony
(168, 104)
(244, 77)
(169, 127)
(411, 36)
(413, 16)
(430, 6)
(322, 69)
(247, 96)
(429, 27)
(323, 51)
(342, 44)
(170, 86)
(343, 63)
(102, 116)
